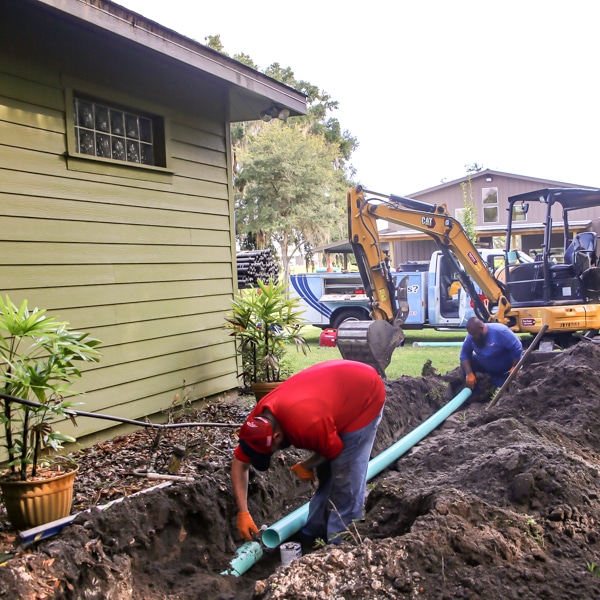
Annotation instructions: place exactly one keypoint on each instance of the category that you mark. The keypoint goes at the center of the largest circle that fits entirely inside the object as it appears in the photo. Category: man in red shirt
(333, 409)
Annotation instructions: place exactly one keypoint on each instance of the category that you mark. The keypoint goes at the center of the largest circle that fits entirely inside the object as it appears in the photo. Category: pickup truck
(435, 297)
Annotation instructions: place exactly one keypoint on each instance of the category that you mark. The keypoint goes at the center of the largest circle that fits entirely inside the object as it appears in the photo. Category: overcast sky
(428, 87)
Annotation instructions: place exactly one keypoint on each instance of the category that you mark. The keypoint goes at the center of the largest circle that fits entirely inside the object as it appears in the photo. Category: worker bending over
(333, 409)
(490, 348)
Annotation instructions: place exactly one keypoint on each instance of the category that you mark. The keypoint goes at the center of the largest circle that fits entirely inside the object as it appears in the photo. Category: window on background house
(118, 133)
(489, 199)
(518, 213)
(459, 215)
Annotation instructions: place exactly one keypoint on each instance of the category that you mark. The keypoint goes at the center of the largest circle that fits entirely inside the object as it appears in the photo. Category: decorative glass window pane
(85, 114)
(118, 148)
(131, 127)
(117, 123)
(86, 142)
(102, 145)
(146, 154)
(102, 123)
(145, 130)
(112, 133)
(133, 151)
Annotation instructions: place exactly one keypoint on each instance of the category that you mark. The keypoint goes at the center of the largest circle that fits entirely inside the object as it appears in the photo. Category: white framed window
(518, 213)
(489, 200)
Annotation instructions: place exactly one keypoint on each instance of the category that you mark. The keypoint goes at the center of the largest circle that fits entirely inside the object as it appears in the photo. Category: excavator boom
(374, 341)
(563, 298)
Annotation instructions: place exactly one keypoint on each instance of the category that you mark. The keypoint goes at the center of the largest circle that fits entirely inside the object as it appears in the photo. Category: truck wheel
(352, 314)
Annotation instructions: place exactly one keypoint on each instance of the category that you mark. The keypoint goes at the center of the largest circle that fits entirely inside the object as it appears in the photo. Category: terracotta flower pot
(262, 388)
(33, 503)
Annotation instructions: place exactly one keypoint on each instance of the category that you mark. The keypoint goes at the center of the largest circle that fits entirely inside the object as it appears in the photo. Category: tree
(279, 179)
(319, 105)
(289, 188)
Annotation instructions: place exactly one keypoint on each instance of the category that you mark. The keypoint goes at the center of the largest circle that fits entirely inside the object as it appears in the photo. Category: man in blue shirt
(490, 348)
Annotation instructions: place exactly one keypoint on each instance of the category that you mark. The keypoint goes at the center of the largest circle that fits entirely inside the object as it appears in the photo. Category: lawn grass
(406, 360)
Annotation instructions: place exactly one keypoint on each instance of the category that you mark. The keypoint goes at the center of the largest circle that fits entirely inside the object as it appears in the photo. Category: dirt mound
(499, 502)
(496, 502)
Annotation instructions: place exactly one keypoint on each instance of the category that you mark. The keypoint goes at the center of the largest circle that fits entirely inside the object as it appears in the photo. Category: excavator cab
(546, 282)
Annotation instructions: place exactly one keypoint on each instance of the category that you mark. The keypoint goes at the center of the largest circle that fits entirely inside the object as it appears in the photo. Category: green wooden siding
(142, 259)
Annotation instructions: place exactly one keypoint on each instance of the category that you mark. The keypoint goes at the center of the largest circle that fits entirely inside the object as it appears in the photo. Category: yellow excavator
(525, 297)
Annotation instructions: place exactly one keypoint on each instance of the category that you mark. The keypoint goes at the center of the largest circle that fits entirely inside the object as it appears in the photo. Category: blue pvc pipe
(290, 524)
(246, 556)
(284, 528)
(418, 344)
(394, 452)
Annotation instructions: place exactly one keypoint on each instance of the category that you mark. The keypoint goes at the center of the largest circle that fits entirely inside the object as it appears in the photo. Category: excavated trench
(498, 502)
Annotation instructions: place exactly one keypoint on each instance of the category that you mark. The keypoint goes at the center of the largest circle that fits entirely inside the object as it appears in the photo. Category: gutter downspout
(290, 524)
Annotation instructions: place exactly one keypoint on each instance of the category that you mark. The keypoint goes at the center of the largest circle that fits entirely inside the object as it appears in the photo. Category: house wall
(412, 251)
(139, 257)
(508, 185)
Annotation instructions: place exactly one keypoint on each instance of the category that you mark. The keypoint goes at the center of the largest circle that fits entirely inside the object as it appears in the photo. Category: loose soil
(498, 502)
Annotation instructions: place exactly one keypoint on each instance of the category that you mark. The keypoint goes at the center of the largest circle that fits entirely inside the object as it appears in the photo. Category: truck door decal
(302, 287)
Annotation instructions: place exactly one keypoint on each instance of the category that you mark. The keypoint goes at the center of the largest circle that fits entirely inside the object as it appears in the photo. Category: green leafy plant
(469, 211)
(593, 568)
(534, 530)
(38, 357)
(264, 320)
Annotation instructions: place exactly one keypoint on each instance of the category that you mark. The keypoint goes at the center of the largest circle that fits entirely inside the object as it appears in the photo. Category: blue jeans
(340, 497)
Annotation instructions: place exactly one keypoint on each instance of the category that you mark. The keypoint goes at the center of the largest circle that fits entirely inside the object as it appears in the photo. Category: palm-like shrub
(264, 320)
(38, 364)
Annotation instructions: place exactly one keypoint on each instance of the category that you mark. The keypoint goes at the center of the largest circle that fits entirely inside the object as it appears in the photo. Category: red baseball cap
(256, 442)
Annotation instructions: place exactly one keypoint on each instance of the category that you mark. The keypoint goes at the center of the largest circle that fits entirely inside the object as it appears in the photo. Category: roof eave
(249, 88)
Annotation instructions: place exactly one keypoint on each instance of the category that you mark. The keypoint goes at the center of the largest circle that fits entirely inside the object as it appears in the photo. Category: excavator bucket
(370, 342)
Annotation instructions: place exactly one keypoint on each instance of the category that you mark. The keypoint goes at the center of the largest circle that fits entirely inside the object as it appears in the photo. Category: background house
(116, 201)
(489, 191)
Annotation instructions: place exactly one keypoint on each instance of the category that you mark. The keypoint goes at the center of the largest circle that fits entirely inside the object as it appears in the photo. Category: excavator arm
(358, 341)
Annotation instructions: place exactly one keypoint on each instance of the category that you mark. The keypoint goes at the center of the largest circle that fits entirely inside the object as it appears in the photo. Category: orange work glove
(246, 526)
(302, 473)
(471, 380)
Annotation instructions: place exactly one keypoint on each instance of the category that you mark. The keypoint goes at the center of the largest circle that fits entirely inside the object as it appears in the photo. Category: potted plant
(264, 320)
(38, 364)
